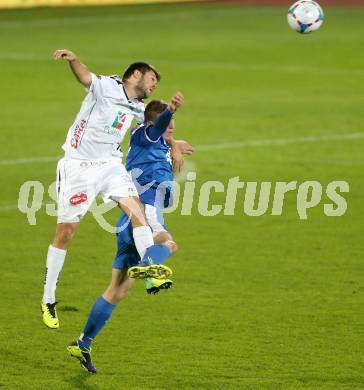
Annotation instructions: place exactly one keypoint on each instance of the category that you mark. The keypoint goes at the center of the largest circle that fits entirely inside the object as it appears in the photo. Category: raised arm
(176, 101)
(83, 75)
(161, 123)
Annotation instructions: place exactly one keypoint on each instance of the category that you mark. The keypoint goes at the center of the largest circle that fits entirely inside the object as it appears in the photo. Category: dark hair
(143, 67)
(153, 109)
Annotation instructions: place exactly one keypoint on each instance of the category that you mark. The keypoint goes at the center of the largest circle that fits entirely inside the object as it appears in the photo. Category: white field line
(9, 207)
(223, 146)
(30, 160)
(281, 141)
(207, 148)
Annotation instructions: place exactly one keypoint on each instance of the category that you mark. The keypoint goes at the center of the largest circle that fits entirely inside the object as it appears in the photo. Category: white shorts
(79, 182)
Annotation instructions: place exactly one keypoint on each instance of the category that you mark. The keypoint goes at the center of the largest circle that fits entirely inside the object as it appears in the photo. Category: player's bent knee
(172, 246)
(123, 294)
(118, 294)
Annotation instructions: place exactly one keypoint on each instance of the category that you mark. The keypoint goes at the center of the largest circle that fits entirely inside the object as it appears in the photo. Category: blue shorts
(127, 255)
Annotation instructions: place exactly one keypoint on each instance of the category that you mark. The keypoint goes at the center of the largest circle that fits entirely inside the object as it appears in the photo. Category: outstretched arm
(176, 155)
(178, 148)
(83, 75)
(184, 147)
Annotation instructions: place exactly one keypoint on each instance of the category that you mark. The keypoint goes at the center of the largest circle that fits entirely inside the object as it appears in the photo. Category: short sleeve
(100, 85)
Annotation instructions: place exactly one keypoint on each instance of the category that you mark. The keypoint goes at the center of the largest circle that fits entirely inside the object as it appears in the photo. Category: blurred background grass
(263, 303)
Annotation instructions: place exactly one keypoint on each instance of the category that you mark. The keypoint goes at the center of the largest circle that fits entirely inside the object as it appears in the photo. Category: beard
(141, 89)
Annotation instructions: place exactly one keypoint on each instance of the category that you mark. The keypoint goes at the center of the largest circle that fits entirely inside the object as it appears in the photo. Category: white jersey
(104, 118)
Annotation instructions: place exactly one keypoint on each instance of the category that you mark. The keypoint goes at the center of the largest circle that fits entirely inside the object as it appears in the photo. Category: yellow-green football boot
(156, 271)
(49, 314)
(154, 285)
(83, 356)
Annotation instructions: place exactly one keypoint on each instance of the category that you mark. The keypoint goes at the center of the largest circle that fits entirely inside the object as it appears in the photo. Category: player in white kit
(92, 164)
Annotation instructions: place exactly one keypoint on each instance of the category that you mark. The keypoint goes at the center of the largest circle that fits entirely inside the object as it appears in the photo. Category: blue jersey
(149, 161)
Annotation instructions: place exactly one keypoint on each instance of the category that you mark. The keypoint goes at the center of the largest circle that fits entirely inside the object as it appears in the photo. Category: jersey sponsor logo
(78, 198)
(77, 134)
(119, 121)
(86, 164)
(117, 125)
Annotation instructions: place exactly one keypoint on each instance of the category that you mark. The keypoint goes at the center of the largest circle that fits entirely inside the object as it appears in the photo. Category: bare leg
(119, 286)
(64, 235)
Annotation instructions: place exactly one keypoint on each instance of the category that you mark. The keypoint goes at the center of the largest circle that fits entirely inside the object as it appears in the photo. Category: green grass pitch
(269, 302)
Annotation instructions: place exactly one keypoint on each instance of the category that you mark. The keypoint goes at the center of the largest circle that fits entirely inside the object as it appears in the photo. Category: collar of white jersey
(120, 82)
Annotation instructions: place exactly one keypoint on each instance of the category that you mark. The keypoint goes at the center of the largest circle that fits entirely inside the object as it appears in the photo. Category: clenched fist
(176, 101)
(64, 54)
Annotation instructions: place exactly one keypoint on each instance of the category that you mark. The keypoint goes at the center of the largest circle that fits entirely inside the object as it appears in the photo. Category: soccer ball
(305, 16)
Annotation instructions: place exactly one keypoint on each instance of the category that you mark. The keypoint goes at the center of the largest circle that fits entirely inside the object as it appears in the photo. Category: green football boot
(156, 271)
(153, 285)
(83, 356)
(49, 314)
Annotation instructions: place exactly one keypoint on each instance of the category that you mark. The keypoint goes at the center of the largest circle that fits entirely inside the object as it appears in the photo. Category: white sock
(143, 239)
(55, 260)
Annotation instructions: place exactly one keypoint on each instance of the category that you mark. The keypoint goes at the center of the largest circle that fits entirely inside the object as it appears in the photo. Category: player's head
(152, 110)
(142, 77)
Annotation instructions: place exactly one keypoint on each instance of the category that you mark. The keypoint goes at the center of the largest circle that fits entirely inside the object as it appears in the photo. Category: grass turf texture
(258, 303)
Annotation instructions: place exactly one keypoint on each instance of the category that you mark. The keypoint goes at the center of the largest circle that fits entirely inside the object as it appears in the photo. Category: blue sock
(98, 317)
(156, 254)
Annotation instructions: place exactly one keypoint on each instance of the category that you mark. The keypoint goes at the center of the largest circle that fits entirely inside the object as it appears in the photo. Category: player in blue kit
(149, 160)
(92, 165)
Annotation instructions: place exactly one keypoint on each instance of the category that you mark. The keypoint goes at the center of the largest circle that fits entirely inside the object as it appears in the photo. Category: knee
(172, 246)
(122, 293)
(63, 237)
(115, 295)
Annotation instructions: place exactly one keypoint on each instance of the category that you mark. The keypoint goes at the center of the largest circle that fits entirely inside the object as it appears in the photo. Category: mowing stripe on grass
(223, 146)
(157, 15)
(31, 57)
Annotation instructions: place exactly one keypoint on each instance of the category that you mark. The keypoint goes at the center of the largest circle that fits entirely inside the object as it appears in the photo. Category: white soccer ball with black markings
(305, 16)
